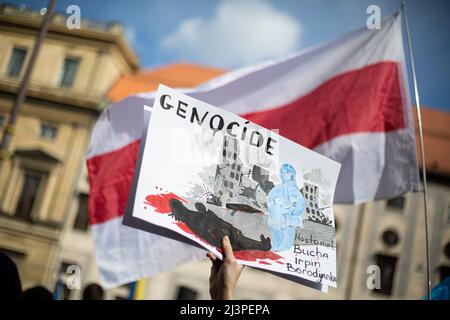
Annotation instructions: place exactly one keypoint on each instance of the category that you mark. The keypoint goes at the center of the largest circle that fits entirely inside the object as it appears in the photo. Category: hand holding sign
(224, 274)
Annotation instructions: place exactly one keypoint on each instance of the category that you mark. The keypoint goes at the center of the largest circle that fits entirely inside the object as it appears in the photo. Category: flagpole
(422, 152)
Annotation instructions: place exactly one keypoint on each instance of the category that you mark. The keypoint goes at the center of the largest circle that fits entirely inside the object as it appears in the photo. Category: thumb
(227, 250)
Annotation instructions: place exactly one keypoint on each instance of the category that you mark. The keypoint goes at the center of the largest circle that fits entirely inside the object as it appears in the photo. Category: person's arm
(224, 274)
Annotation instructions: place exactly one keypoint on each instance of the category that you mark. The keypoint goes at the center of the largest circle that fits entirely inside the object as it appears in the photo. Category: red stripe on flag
(364, 100)
(110, 177)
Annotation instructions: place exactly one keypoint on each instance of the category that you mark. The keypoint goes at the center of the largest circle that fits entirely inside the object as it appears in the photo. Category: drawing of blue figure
(286, 207)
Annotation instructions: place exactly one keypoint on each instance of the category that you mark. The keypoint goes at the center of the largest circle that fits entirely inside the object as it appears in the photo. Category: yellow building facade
(41, 177)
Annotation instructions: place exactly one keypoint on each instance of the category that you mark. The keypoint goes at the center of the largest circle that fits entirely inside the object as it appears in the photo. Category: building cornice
(110, 34)
(54, 95)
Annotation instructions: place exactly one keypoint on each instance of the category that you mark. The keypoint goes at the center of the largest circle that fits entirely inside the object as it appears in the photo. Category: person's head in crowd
(37, 293)
(93, 292)
(11, 288)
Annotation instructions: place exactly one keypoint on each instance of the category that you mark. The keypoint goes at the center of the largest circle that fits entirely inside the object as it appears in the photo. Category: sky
(233, 33)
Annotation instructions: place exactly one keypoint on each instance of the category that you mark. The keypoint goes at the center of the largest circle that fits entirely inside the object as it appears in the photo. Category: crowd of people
(222, 281)
(12, 286)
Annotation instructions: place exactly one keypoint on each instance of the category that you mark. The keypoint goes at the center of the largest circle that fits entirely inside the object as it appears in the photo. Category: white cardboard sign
(205, 173)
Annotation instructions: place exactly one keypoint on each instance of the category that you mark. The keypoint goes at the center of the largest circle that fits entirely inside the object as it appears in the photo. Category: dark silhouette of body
(10, 285)
(208, 226)
(93, 291)
(37, 294)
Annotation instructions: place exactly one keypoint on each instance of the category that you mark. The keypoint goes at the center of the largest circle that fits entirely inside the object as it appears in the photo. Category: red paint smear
(253, 255)
(161, 201)
(186, 229)
(161, 204)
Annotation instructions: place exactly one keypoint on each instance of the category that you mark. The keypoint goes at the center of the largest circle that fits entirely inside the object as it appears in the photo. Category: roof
(436, 133)
(178, 75)
(436, 123)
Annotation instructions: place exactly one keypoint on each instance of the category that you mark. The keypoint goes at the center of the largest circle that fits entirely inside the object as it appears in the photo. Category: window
(68, 72)
(16, 62)
(185, 293)
(33, 181)
(387, 266)
(396, 203)
(48, 131)
(82, 218)
(390, 238)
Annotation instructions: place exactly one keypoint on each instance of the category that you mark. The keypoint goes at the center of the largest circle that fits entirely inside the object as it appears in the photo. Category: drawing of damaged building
(313, 212)
(238, 187)
(228, 172)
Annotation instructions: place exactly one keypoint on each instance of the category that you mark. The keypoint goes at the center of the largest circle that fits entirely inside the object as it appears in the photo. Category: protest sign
(204, 173)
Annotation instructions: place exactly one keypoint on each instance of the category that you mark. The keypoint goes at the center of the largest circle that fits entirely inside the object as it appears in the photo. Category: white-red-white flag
(347, 99)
